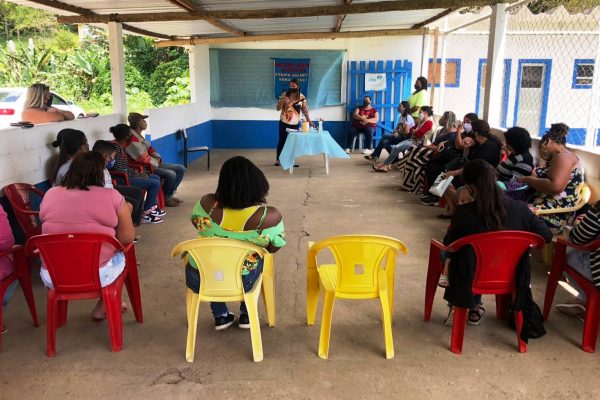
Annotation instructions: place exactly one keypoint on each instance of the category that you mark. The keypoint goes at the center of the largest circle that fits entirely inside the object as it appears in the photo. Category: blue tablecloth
(310, 143)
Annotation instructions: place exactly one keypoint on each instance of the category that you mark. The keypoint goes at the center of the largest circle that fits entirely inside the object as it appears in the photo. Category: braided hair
(557, 133)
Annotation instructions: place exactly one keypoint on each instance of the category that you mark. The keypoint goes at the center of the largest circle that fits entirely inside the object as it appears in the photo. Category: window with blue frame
(583, 73)
(452, 75)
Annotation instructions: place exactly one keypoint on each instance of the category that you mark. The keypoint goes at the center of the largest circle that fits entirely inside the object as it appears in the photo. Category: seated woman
(7, 241)
(586, 230)
(83, 205)
(519, 162)
(404, 122)
(490, 211)
(412, 166)
(70, 142)
(151, 183)
(484, 147)
(236, 210)
(38, 109)
(364, 120)
(417, 137)
(557, 182)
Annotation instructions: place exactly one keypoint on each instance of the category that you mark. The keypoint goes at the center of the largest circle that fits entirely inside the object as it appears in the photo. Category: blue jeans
(192, 281)
(387, 141)
(367, 130)
(152, 187)
(172, 175)
(397, 149)
(8, 294)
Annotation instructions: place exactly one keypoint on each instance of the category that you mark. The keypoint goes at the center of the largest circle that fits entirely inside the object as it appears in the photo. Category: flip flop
(3, 330)
(444, 282)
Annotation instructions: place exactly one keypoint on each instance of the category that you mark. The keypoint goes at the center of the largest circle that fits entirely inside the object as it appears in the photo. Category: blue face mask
(110, 164)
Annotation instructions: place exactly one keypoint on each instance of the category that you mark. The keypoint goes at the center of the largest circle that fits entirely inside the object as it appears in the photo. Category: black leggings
(283, 136)
(135, 196)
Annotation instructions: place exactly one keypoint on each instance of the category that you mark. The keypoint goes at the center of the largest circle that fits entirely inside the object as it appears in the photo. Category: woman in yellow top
(236, 210)
(419, 97)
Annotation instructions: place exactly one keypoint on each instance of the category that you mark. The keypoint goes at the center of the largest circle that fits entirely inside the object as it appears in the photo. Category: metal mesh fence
(549, 72)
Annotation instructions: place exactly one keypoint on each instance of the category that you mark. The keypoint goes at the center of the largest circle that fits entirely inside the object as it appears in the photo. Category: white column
(199, 61)
(440, 107)
(117, 68)
(493, 80)
(424, 56)
(593, 118)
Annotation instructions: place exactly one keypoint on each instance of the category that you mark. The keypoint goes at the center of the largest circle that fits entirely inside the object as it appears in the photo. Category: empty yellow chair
(364, 269)
(220, 264)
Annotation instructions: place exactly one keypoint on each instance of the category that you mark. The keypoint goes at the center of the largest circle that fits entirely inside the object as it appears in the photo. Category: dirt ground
(352, 199)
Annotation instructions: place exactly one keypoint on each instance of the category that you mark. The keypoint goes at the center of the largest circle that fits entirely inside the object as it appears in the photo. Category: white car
(11, 105)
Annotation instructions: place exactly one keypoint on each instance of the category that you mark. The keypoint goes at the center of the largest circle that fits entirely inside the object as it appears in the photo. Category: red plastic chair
(23, 275)
(20, 196)
(592, 313)
(72, 260)
(497, 255)
(147, 167)
(118, 176)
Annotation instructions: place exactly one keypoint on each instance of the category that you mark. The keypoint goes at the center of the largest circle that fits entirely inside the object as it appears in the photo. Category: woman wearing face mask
(71, 142)
(556, 183)
(417, 135)
(419, 97)
(364, 121)
(465, 129)
(292, 104)
(404, 122)
(38, 109)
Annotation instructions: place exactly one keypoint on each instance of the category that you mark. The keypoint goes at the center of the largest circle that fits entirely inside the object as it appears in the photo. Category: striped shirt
(587, 231)
(515, 166)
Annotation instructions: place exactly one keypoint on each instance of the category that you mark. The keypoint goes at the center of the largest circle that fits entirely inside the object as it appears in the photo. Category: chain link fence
(549, 67)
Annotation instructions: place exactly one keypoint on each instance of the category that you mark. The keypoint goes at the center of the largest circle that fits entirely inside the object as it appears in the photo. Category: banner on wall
(375, 82)
(286, 69)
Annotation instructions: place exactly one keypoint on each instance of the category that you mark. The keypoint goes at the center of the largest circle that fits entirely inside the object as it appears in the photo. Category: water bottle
(320, 125)
(300, 123)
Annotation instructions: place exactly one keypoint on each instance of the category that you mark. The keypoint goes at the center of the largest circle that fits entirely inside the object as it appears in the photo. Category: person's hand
(52, 110)
(363, 122)
(441, 146)
(468, 142)
(452, 173)
(523, 179)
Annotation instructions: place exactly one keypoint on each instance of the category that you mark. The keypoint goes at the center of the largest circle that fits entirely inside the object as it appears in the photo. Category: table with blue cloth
(309, 143)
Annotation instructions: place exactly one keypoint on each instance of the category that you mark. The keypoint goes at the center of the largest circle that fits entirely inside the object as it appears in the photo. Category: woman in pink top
(6, 265)
(83, 205)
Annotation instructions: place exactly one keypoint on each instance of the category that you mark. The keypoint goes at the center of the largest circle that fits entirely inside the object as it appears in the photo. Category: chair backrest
(584, 194)
(219, 261)
(359, 259)
(25, 200)
(497, 256)
(72, 259)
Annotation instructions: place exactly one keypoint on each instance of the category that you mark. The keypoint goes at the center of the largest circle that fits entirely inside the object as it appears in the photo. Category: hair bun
(56, 144)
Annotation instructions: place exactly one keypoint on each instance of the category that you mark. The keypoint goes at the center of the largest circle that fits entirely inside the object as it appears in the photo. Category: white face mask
(423, 116)
(468, 127)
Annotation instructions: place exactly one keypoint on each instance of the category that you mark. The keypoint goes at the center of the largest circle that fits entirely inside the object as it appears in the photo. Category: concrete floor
(352, 199)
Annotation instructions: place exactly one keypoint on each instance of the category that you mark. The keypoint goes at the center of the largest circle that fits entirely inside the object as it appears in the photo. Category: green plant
(178, 92)
(159, 80)
(24, 65)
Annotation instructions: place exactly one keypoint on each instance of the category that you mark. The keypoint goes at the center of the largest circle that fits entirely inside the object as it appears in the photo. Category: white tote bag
(441, 184)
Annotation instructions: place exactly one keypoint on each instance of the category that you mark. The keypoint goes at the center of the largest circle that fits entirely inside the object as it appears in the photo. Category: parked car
(11, 105)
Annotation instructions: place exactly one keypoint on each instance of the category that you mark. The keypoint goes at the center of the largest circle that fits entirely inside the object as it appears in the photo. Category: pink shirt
(82, 211)
(6, 242)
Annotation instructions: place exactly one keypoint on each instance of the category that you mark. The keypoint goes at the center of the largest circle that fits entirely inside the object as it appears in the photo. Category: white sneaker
(368, 152)
(347, 151)
(151, 219)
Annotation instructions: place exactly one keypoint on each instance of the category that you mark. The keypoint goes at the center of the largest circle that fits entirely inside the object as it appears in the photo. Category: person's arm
(356, 115)
(68, 115)
(272, 219)
(7, 239)
(125, 231)
(373, 120)
(456, 172)
(39, 116)
(588, 229)
(281, 103)
(137, 151)
(305, 110)
(559, 174)
(423, 129)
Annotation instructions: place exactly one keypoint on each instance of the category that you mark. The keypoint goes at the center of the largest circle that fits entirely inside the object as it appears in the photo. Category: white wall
(363, 49)
(166, 120)
(26, 154)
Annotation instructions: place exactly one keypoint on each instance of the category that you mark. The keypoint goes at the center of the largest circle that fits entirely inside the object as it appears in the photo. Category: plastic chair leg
(591, 324)
(313, 288)
(519, 326)
(161, 199)
(434, 270)
(252, 307)
(268, 294)
(328, 301)
(555, 273)
(458, 330)
(192, 302)
(51, 327)
(111, 295)
(387, 326)
(25, 280)
(547, 253)
(132, 283)
(62, 310)
(502, 306)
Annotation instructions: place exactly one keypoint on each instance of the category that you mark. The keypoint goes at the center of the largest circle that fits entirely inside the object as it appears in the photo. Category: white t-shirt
(408, 120)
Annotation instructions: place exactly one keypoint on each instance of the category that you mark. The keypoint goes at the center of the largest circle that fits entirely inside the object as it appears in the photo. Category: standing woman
(38, 109)
(292, 104)
(419, 97)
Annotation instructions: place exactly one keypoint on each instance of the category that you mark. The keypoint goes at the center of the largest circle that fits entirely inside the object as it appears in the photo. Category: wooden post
(436, 37)
(117, 68)
(440, 104)
(495, 65)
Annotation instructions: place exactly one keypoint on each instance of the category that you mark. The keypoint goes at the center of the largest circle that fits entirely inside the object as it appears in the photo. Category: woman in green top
(419, 97)
(236, 211)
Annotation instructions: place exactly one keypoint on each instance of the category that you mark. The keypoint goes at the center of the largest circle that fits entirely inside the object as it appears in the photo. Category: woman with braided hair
(556, 182)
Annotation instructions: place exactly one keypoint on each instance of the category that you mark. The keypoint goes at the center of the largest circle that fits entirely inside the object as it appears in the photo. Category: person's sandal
(277, 164)
(3, 330)
(444, 282)
(370, 158)
(476, 315)
(450, 318)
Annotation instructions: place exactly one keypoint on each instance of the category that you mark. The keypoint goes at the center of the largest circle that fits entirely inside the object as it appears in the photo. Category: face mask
(110, 164)
(468, 127)
(423, 116)
(417, 87)
(293, 90)
(49, 102)
(366, 103)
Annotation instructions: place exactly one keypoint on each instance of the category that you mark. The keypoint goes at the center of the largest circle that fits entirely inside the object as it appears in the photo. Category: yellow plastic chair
(584, 193)
(359, 272)
(220, 263)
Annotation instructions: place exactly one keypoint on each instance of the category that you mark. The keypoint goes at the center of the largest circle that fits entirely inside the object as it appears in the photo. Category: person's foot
(224, 321)
(157, 212)
(450, 318)
(475, 315)
(370, 158)
(3, 330)
(347, 151)
(151, 219)
(444, 282)
(277, 164)
(575, 310)
(444, 216)
(368, 152)
(99, 312)
(429, 200)
(171, 202)
(244, 321)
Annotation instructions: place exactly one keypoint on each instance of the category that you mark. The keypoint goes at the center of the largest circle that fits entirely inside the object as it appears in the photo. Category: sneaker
(224, 322)
(347, 151)
(368, 152)
(157, 212)
(244, 321)
(151, 219)
(172, 202)
(574, 310)
(429, 200)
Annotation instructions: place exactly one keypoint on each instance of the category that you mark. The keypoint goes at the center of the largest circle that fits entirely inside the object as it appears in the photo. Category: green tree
(159, 80)
(18, 19)
(23, 65)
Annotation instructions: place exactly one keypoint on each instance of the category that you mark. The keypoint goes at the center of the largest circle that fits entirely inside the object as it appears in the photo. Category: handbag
(442, 182)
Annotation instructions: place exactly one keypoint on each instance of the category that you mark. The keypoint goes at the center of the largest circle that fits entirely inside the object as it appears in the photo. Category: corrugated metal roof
(387, 20)
(304, 24)
(212, 5)
(179, 28)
